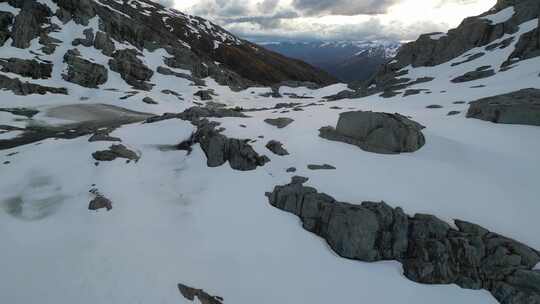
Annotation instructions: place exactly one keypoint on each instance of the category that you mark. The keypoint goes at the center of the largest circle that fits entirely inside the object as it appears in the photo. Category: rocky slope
(122, 31)
(474, 38)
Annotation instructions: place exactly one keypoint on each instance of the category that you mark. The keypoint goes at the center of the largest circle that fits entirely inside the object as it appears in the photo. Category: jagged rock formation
(521, 107)
(376, 132)
(430, 250)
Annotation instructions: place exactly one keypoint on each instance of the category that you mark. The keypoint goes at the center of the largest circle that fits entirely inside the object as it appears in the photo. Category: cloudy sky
(278, 20)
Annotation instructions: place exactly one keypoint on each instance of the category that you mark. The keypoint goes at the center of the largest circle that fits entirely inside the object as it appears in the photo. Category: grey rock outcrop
(27, 67)
(194, 114)
(280, 122)
(377, 132)
(29, 23)
(104, 43)
(99, 202)
(520, 107)
(430, 251)
(114, 152)
(132, 69)
(277, 148)
(166, 71)
(88, 39)
(149, 100)
(6, 20)
(103, 135)
(26, 88)
(204, 94)
(321, 167)
(219, 149)
(84, 72)
(474, 75)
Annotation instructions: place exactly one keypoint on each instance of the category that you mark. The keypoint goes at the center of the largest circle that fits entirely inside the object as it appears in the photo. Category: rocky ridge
(485, 32)
(430, 250)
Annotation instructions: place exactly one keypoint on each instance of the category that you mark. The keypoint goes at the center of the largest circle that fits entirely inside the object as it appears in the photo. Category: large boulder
(220, 149)
(377, 132)
(84, 72)
(277, 148)
(431, 251)
(520, 107)
(132, 69)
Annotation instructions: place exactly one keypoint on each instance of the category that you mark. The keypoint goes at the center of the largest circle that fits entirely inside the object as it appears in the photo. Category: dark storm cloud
(342, 7)
(265, 21)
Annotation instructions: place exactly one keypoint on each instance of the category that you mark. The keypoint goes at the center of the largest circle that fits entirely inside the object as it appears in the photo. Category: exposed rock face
(25, 88)
(132, 69)
(377, 132)
(191, 293)
(84, 72)
(430, 250)
(88, 39)
(27, 68)
(6, 19)
(29, 22)
(219, 149)
(280, 122)
(114, 152)
(104, 43)
(277, 148)
(521, 107)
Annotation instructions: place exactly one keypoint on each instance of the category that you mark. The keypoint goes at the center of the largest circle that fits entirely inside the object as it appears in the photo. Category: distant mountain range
(348, 61)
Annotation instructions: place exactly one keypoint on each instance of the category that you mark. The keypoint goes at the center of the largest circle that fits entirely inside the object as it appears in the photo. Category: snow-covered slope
(176, 220)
